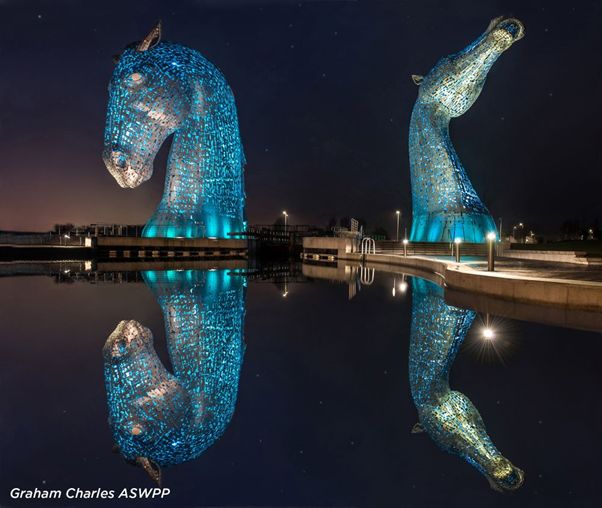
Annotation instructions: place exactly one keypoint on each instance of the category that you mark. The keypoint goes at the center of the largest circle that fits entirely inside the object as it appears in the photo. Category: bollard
(457, 242)
(491, 237)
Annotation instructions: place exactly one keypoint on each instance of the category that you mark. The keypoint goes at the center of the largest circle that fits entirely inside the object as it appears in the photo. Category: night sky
(324, 97)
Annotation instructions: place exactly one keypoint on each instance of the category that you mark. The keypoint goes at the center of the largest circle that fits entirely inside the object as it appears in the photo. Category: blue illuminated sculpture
(158, 89)
(160, 418)
(445, 204)
(448, 416)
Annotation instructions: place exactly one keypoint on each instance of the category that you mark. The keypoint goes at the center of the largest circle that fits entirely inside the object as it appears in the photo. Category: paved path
(543, 269)
(530, 268)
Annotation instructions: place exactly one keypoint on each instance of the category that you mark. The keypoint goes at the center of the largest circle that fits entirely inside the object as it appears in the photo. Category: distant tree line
(574, 229)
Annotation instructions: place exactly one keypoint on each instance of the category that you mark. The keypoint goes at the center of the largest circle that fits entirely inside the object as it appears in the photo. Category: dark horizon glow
(324, 98)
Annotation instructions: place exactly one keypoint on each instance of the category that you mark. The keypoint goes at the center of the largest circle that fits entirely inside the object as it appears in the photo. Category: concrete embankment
(457, 276)
(563, 293)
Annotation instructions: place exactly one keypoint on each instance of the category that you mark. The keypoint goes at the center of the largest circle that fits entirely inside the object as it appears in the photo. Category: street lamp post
(491, 237)
(457, 242)
(285, 219)
(405, 247)
(398, 213)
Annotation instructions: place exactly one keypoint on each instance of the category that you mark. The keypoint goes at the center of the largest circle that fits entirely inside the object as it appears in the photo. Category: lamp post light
(285, 219)
(405, 247)
(398, 213)
(457, 242)
(491, 237)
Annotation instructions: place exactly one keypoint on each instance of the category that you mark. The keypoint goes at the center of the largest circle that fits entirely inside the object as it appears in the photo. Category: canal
(290, 390)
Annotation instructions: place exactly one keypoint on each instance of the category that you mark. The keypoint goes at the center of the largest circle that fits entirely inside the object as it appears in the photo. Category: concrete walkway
(543, 269)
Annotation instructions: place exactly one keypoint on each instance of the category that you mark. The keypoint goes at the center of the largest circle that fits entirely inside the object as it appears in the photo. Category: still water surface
(247, 392)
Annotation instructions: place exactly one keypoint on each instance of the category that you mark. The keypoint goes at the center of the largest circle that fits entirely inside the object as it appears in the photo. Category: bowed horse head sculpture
(160, 89)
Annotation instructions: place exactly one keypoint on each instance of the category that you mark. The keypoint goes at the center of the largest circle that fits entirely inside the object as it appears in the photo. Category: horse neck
(429, 126)
(433, 157)
(183, 180)
(204, 327)
(437, 333)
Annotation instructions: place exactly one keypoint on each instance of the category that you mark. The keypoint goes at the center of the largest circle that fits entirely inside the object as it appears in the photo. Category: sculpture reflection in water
(160, 418)
(448, 416)
(445, 204)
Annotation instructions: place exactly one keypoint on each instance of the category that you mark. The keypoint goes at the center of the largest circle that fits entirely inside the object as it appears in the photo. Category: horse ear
(493, 23)
(153, 470)
(152, 39)
(417, 428)
(417, 79)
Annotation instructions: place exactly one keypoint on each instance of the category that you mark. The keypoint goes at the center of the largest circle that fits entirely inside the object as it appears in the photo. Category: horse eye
(136, 78)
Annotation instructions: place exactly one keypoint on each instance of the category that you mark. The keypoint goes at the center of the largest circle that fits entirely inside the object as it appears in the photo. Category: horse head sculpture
(159, 89)
(445, 204)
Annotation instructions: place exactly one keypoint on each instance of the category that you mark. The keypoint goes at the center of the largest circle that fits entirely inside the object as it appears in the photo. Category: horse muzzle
(121, 168)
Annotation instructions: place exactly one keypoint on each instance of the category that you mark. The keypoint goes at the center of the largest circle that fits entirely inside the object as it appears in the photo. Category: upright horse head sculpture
(445, 204)
(160, 418)
(158, 89)
(446, 415)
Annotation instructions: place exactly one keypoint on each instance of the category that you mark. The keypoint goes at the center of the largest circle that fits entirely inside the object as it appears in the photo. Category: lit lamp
(405, 247)
(398, 213)
(285, 219)
(491, 237)
(457, 242)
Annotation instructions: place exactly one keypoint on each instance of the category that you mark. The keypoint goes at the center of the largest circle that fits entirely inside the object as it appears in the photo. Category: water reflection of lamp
(446, 415)
(403, 285)
(488, 334)
(160, 418)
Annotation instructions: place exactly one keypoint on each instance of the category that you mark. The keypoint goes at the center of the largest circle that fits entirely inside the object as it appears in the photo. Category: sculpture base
(166, 249)
(471, 228)
(222, 229)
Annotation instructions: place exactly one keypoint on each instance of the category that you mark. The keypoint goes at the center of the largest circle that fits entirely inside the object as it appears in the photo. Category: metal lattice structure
(448, 416)
(445, 204)
(158, 89)
(160, 418)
